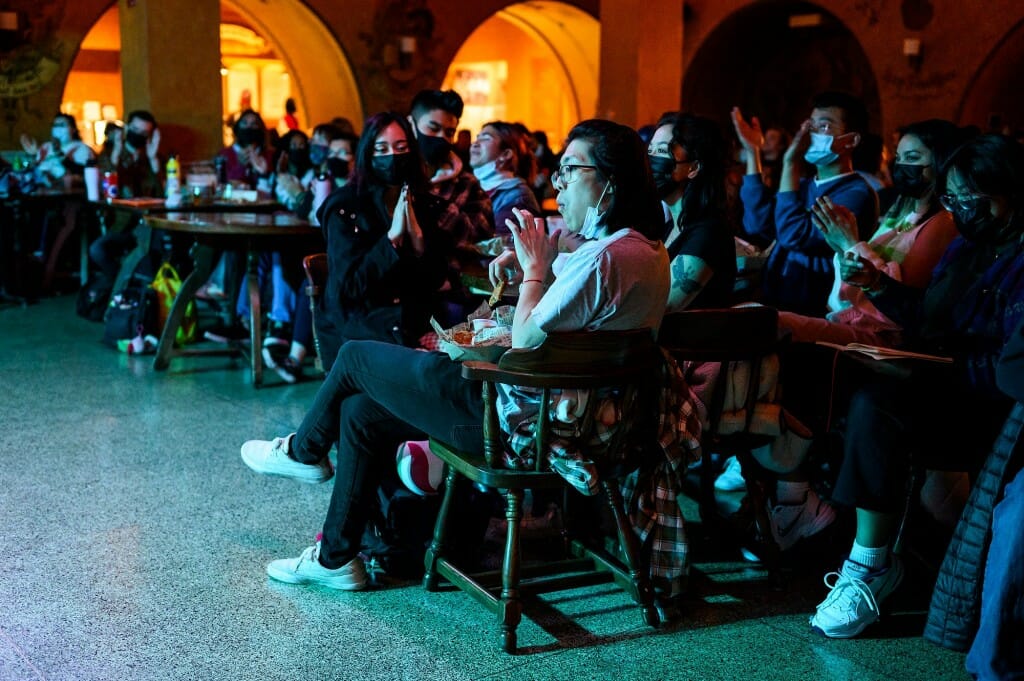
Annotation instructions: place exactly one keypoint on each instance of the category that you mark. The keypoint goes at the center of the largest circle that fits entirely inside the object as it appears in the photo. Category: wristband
(527, 281)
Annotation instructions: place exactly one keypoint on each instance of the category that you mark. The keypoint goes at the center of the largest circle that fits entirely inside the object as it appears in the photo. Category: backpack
(92, 298)
(131, 313)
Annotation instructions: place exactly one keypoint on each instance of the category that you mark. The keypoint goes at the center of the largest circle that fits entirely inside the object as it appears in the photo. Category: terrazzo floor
(133, 543)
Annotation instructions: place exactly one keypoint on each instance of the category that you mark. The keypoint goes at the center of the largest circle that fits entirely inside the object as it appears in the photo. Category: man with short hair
(799, 273)
(434, 115)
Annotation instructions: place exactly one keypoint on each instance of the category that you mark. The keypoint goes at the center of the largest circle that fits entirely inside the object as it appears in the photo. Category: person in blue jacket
(799, 271)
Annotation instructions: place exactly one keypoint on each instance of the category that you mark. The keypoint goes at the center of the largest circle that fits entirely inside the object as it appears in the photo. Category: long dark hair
(621, 157)
(937, 135)
(702, 140)
(364, 179)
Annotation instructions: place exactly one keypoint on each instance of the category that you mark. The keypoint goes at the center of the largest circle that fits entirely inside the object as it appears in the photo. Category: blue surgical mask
(317, 153)
(594, 220)
(820, 152)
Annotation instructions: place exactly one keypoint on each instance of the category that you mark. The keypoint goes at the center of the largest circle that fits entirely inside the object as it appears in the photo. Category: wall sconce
(914, 52)
(406, 50)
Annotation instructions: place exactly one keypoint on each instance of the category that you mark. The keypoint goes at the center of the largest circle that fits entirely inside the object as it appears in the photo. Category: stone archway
(991, 102)
(524, 49)
(771, 58)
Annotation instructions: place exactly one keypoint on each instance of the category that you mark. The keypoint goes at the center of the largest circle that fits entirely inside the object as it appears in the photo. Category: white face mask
(62, 135)
(820, 152)
(489, 176)
(594, 220)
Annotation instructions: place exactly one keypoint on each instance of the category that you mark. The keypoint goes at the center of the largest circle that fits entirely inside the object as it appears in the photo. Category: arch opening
(524, 49)
(273, 53)
(770, 59)
(990, 102)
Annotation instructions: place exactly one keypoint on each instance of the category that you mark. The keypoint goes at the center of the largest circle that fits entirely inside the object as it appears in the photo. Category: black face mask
(909, 180)
(247, 137)
(393, 169)
(299, 158)
(662, 169)
(435, 149)
(317, 154)
(136, 139)
(974, 220)
(338, 168)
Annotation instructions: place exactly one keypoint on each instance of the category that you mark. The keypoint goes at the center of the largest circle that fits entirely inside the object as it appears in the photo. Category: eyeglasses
(952, 202)
(567, 173)
(828, 128)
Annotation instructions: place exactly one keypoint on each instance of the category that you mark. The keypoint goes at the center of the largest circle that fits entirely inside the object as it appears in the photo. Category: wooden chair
(624, 360)
(315, 267)
(727, 335)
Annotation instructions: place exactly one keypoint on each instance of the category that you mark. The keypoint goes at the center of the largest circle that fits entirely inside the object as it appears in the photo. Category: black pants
(894, 424)
(376, 396)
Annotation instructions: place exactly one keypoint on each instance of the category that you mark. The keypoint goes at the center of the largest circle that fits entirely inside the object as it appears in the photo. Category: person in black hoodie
(387, 243)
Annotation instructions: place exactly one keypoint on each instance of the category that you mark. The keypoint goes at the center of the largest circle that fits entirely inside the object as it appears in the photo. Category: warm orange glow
(536, 63)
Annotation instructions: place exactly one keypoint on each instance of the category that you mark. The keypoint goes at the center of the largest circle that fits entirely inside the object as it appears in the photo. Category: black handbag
(131, 313)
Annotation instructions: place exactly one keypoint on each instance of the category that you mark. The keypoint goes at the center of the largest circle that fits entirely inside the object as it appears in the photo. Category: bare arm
(690, 275)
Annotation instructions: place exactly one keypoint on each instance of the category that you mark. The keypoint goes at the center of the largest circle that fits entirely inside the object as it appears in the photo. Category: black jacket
(374, 291)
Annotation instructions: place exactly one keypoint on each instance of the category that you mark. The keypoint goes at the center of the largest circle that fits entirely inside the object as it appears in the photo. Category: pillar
(170, 63)
(641, 60)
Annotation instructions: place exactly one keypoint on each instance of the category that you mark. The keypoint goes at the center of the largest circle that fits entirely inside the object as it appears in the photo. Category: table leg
(255, 333)
(203, 259)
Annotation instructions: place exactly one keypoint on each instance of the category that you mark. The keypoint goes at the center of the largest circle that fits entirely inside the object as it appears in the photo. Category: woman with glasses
(379, 395)
(387, 249)
(687, 157)
(945, 416)
(910, 239)
(502, 162)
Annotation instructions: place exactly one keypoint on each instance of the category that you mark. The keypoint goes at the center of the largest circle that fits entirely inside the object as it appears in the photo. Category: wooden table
(213, 232)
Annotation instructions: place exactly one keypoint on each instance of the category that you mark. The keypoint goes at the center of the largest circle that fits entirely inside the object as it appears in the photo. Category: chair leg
(440, 528)
(643, 593)
(512, 607)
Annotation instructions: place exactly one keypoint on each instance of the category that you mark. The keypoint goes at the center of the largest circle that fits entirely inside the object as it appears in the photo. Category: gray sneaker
(271, 458)
(306, 569)
(792, 522)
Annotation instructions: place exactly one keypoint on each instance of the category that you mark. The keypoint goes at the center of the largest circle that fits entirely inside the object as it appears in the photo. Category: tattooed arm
(690, 275)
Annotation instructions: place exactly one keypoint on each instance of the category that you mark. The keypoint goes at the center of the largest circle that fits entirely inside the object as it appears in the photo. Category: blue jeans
(376, 396)
(998, 649)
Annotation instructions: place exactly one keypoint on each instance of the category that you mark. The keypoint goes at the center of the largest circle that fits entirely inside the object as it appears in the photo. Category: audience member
(687, 157)
(910, 239)
(379, 395)
(504, 166)
(388, 244)
(799, 272)
(63, 154)
(249, 161)
(970, 309)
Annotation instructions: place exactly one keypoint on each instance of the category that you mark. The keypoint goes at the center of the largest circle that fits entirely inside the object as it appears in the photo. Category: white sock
(871, 558)
(788, 492)
(297, 352)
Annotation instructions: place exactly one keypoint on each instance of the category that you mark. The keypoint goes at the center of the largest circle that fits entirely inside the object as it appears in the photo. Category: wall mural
(30, 56)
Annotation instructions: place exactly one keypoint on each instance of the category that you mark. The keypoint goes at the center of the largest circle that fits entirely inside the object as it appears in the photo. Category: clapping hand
(282, 163)
(836, 223)
(858, 271)
(801, 142)
(535, 248)
(749, 134)
(257, 160)
(153, 145)
(29, 145)
(412, 225)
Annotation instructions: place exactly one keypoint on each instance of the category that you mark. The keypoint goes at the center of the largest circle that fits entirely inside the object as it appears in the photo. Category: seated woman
(379, 394)
(910, 239)
(687, 156)
(944, 416)
(63, 154)
(387, 243)
(248, 161)
(502, 162)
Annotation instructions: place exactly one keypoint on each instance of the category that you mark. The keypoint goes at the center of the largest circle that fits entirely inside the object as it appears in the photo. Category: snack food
(496, 293)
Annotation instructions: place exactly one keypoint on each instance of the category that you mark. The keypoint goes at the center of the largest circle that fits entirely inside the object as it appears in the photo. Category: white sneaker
(793, 522)
(306, 569)
(853, 602)
(731, 479)
(271, 458)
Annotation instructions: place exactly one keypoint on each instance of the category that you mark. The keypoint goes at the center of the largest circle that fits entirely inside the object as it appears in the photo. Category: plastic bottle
(321, 189)
(173, 182)
(110, 185)
(91, 175)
